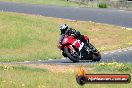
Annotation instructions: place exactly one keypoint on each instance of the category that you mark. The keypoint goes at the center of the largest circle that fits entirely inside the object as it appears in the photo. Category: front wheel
(70, 56)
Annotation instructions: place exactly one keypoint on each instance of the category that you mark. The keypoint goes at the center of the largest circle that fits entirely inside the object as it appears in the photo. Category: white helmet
(63, 28)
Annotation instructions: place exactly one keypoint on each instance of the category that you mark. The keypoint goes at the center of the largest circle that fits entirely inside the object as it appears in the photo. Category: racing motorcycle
(76, 50)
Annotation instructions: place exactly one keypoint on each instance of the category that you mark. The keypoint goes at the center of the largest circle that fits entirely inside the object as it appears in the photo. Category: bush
(114, 66)
(102, 5)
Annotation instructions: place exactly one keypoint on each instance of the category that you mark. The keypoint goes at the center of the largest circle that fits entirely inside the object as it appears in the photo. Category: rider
(64, 28)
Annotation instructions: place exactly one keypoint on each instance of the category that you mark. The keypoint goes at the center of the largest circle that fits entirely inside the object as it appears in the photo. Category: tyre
(96, 57)
(63, 53)
(70, 56)
(92, 47)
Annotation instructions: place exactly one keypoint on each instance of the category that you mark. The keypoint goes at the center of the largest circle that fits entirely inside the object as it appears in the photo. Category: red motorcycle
(76, 50)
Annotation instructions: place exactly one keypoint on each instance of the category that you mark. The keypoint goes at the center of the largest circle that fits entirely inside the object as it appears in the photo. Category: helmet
(63, 28)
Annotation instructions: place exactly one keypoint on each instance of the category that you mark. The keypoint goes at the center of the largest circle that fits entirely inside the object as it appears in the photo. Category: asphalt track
(108, 16)
(120, 55)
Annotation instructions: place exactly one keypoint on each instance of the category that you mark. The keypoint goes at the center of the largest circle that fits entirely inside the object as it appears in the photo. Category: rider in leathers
(71, 32)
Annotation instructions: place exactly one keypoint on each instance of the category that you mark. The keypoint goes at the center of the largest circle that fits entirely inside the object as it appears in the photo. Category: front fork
(90, 49)
(73, 52)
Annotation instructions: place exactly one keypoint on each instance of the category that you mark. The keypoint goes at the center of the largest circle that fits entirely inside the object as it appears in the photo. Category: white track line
(125, 50)
(50, 59)
(112, 52)
(130, 49)
(119, 51)
(26, 61)
(39, 60)
(105, 53)
(63, 58)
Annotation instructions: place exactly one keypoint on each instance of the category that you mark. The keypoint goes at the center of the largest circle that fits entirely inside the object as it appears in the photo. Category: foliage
(114, 67)
(102, 5)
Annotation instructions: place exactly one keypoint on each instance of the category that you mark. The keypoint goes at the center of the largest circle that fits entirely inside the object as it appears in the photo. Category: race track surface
(107, 16)
(121, 55)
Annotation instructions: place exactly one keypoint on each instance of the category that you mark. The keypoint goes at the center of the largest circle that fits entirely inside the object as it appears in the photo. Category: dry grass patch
(53, 68)
(33, 76)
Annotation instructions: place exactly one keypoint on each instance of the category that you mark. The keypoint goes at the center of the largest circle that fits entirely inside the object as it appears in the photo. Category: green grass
(28, 77)
(102, 5)
(46, 2)
(57, 3)
(27, 37)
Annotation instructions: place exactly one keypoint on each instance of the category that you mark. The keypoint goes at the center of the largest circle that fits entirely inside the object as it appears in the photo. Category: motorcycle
(76, 50)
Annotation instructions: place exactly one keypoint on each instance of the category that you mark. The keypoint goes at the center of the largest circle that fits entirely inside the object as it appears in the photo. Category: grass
(28, 77)
(46, 2)
(57, 3)
(102, 5)
(28, 37)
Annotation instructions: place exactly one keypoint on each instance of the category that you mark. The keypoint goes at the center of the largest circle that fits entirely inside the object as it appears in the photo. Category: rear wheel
(70, 56)
(96, 56)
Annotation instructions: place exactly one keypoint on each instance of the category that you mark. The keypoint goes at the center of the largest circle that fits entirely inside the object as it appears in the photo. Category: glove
(77, 34)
